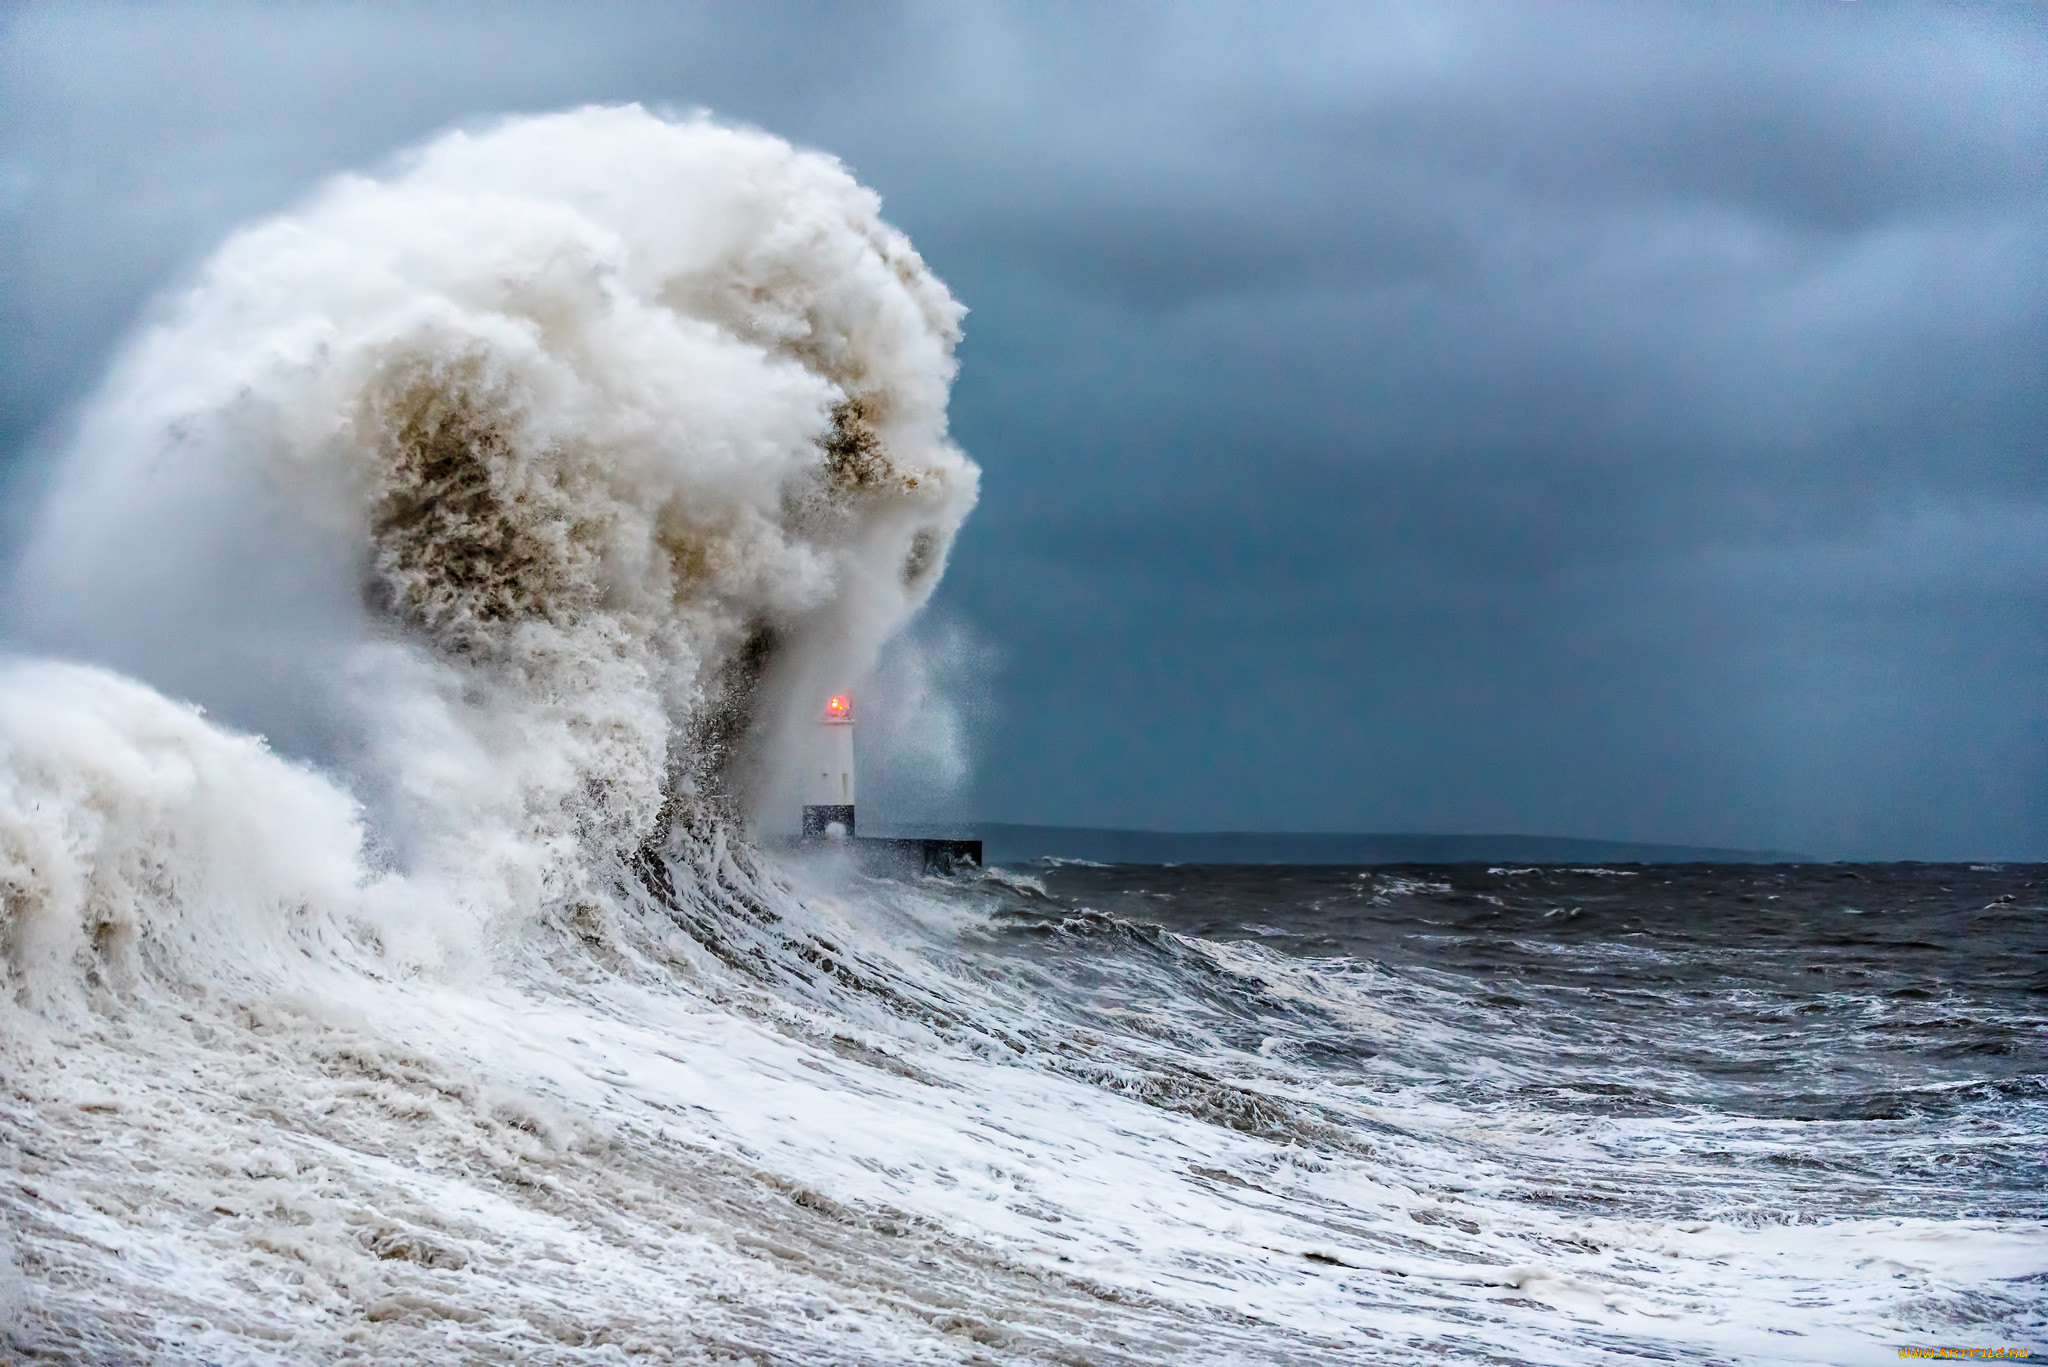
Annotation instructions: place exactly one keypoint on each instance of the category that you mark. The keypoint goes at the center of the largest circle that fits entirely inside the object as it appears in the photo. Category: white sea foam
(493, 478)
(529, 490)
(131, 829)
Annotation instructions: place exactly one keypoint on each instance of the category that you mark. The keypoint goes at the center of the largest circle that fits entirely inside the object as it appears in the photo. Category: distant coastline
(1006, 842)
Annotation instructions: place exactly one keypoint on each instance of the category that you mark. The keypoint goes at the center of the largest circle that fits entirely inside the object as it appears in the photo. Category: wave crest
(536, 483)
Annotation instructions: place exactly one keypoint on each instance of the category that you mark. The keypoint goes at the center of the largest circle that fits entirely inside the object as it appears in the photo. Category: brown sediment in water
(854, 456)
(453, 546)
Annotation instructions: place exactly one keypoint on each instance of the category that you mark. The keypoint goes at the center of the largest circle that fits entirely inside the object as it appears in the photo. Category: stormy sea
(406, 962)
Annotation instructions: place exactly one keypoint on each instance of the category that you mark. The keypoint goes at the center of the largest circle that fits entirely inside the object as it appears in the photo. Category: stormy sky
(1610, 421)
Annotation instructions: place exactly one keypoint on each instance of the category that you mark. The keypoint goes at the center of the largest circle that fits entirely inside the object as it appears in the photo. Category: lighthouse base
(916, 855)
(819, 821)
(884, 855)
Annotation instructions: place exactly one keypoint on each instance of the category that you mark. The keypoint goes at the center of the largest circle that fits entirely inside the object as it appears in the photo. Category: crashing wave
(534, 484)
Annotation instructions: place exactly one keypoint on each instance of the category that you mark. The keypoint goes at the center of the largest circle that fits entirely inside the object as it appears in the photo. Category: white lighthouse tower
(828, 782)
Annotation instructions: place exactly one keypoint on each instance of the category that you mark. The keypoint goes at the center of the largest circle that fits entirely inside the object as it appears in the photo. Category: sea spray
(532, 483)
(132, 830)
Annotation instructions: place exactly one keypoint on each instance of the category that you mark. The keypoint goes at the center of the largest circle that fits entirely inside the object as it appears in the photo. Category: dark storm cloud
(1386, 154)
(1614, 421)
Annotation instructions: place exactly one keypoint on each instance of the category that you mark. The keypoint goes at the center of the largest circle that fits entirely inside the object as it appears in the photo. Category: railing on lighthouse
(828, 783)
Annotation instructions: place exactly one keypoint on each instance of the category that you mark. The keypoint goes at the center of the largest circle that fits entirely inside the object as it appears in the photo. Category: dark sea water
(1899, 1012)
(1846, 1064)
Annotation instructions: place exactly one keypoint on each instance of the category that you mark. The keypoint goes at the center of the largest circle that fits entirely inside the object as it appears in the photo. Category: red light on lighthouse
(839, 706)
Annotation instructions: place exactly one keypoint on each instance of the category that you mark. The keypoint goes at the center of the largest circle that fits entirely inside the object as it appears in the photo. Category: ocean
(412, 670)
(1078, 1113)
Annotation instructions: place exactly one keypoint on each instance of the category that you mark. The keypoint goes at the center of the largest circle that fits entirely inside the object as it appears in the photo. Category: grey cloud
(1612, 421)
(1375, 165)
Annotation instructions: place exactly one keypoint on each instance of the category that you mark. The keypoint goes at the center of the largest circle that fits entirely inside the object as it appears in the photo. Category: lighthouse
(828, 782)
(828, 808)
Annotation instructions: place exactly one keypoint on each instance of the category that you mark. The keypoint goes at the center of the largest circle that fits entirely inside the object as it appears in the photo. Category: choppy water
(1130, 1114)
(1887, 1021)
